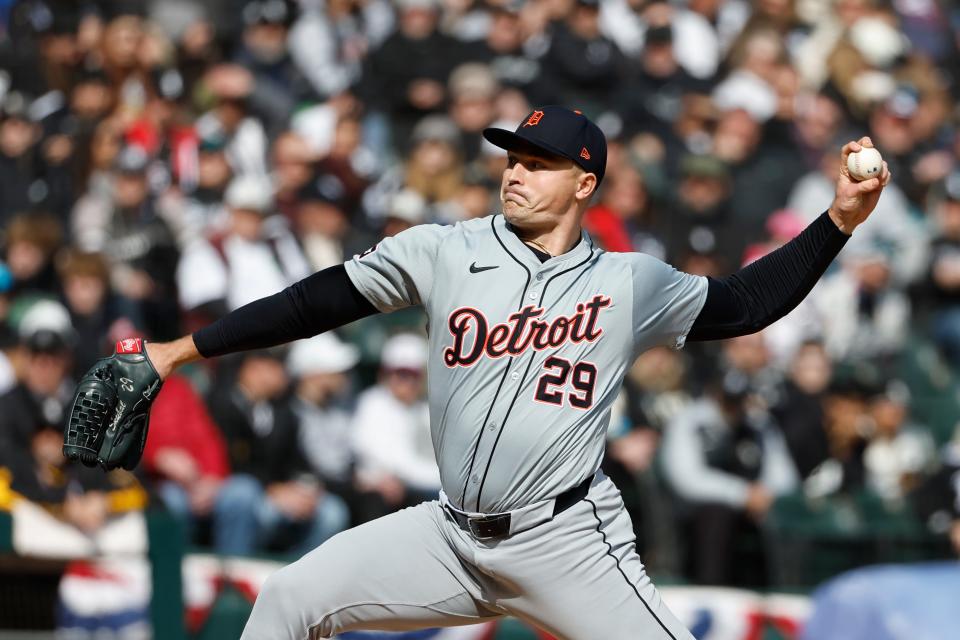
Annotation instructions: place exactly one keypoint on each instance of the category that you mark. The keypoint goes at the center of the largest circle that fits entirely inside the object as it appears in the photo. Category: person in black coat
(271, 501)
(800, 412)
(585, 65)
(406, 77)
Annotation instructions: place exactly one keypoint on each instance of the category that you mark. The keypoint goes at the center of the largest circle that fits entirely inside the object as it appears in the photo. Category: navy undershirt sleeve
(325, 300)
(764, 291)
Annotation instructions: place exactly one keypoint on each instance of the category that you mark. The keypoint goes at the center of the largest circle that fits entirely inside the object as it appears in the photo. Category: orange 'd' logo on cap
(534, 119)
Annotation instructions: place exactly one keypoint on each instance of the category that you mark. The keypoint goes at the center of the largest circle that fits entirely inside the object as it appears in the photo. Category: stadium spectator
(702, 217)
(390, 429)
(98, 315)
(271, 500)
(198, 209)
(127, 226)
(185, 455)
(293, 162)
(330, 41)
(847, 423)
(624, 218)
(44, 390)
(32, 242)
(322, 368)
(799, 409)
(256, 257)
(406, 76)
(900, 452)
(728, 462)
(18, 156)
(943, 275)
(64, 510)
(865, 316)
(651, 98)
(583, 63)
(278, 83)
(246, 138)
(509, 51)
(434, 170)
(324, 222)
(472, 88)
(655, 390)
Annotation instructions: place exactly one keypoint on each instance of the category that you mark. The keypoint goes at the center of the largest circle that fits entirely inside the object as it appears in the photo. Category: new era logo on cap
(559, 131)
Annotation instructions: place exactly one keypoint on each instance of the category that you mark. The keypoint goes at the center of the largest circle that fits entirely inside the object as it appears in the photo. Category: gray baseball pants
(578, 577)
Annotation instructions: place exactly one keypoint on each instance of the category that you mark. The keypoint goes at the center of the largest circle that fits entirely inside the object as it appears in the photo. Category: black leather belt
(498, 525)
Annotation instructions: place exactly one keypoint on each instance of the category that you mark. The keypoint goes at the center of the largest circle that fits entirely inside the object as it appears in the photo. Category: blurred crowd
(165, 162)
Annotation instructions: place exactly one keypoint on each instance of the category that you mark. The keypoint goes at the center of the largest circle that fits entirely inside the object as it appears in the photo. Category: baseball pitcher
(531, 329)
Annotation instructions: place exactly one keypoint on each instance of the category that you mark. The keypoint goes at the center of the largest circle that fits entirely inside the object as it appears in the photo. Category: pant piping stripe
(617, 561)
(430, 606)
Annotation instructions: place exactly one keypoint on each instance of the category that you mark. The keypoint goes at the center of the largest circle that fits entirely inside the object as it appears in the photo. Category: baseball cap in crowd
(879, 42)
(560, 131)
(744, 90)
(869, 249)
(893, 390)
(168, 83)
(324, 353)
(436, 128)
(131, 159)
(122, 8)
(704, 166)
(46, 327)
(267, 12)
(734, 385)
(949, 187)
(326, 188)
(250, 193)
(473, 80)
(430, 5)
(404, 351)
(903, 103)
(510, 7)
(15, 105)
(212, 142)
(659, 35)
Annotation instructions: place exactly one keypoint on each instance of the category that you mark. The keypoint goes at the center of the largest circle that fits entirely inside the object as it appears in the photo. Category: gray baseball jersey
(525, 358)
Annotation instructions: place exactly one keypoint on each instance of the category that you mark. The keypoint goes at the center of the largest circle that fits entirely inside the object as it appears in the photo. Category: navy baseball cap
(559, 131)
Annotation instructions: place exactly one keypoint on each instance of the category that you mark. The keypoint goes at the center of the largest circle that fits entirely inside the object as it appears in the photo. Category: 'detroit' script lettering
(523, 330)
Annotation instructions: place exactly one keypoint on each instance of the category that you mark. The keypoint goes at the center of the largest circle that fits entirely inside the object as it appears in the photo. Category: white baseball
(864, 164)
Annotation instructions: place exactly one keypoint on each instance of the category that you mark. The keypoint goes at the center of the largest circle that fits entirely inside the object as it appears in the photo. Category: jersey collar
(520, 252)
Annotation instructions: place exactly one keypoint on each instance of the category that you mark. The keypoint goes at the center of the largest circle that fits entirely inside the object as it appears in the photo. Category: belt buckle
(488, 527)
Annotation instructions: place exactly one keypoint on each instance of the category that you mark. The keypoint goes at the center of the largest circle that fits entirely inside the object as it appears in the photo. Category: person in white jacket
(391, 427)
(729, 462)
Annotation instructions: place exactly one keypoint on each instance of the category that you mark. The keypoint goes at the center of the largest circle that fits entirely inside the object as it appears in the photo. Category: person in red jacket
(185, 452)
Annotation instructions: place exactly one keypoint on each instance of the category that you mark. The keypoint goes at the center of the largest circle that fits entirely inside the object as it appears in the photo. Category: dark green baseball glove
(111, 409)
